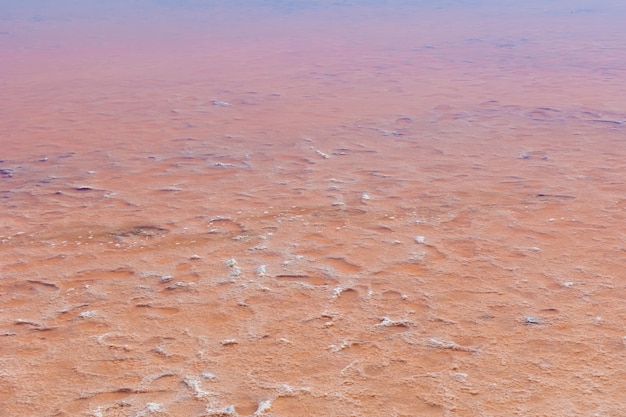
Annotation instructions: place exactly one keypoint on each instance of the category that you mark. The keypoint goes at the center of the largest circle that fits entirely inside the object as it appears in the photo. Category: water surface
(280, 208)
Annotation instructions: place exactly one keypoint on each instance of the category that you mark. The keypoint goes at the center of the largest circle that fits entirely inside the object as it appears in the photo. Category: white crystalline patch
(194, 384)
(222, 412)
(150, 408)
(337, 292)
(387, 322)
(264, 407)
(87, 314)
(153, 407)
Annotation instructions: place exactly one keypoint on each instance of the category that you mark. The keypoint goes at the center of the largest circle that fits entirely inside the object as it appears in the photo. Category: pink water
(382, 210)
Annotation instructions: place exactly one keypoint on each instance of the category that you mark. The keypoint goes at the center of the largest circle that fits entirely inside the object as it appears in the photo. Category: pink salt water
(333, 210)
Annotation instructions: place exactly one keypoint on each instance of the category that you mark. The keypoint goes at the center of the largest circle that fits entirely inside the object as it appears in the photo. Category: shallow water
(284, 209)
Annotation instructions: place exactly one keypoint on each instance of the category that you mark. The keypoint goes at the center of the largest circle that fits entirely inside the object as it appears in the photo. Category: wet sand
(317, 212)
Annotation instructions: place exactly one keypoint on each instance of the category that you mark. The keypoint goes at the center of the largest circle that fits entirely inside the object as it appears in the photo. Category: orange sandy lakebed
(331, 210)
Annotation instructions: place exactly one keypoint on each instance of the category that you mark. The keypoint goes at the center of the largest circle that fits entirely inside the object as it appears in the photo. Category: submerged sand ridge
(415, 235)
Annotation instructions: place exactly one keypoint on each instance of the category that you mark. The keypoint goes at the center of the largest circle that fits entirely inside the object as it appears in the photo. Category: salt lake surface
(317, 208)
